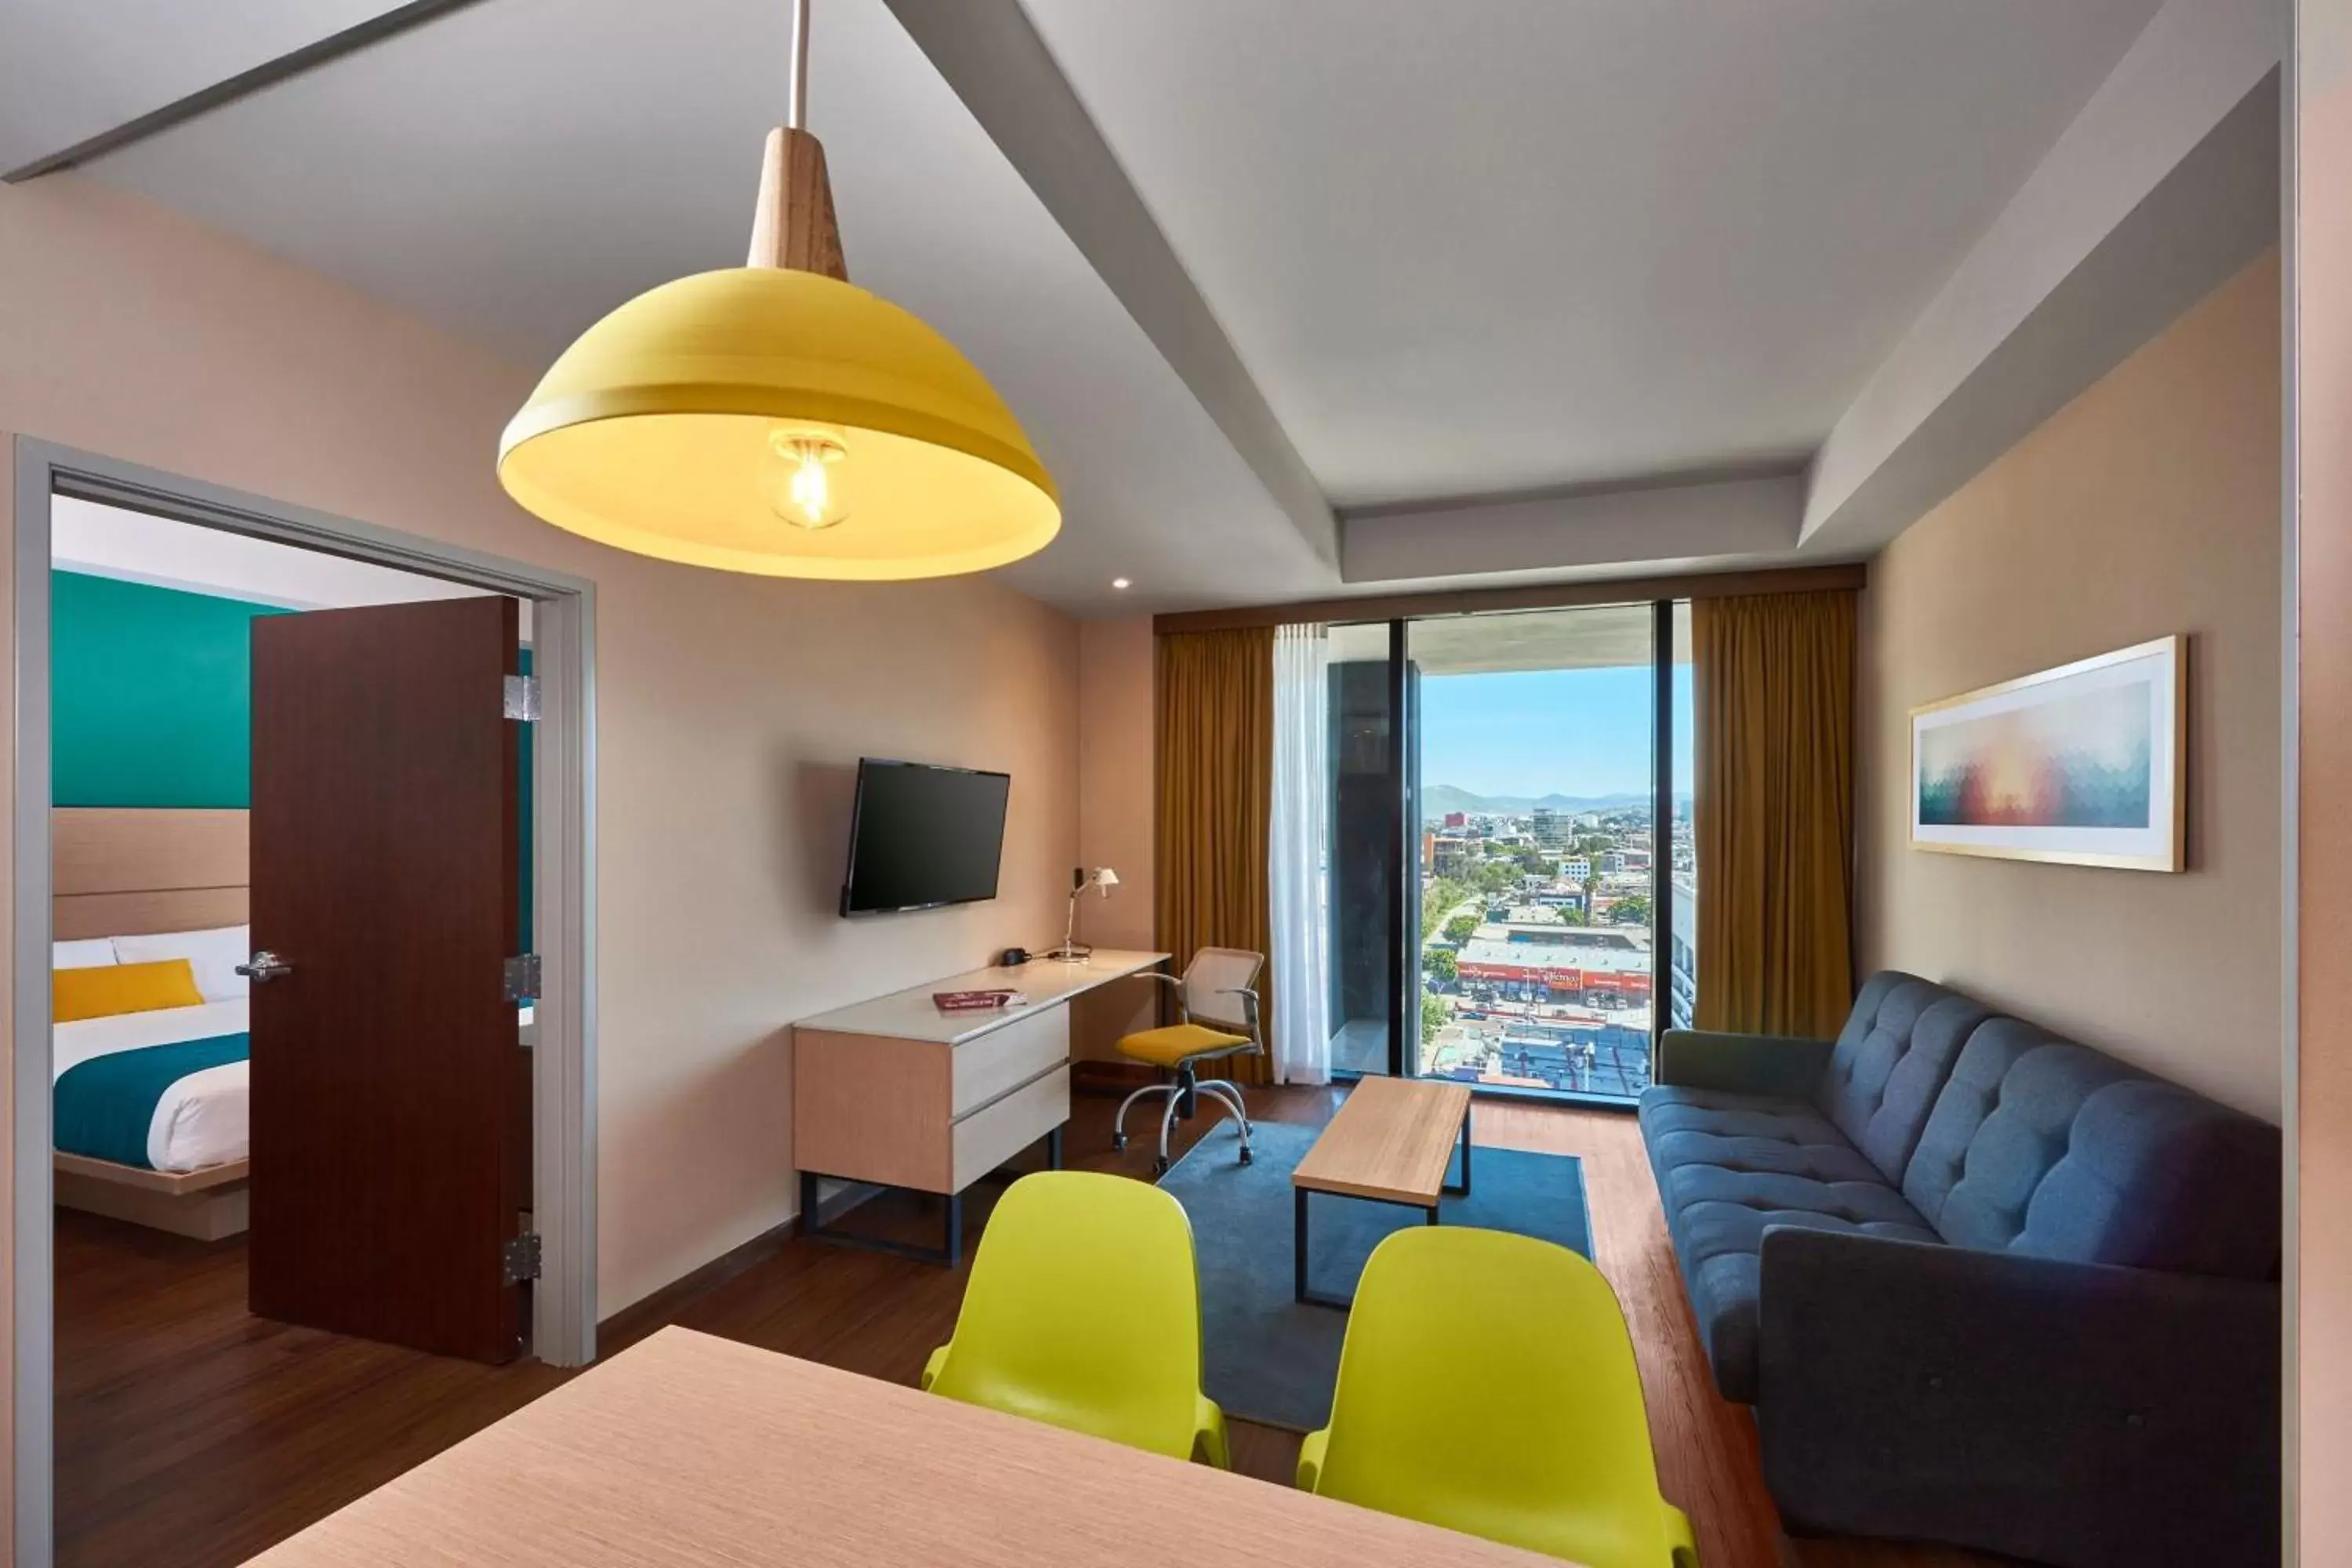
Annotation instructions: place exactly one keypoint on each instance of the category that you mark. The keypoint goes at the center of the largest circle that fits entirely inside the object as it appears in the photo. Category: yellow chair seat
(1179, 1042)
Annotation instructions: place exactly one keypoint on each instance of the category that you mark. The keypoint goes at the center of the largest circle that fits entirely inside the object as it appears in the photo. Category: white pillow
(88, 953)
(214, 954)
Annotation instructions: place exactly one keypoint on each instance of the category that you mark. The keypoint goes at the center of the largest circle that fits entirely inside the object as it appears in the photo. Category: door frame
(564, 1076)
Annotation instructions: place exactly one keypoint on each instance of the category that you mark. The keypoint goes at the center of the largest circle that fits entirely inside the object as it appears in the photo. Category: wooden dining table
(688, 1450)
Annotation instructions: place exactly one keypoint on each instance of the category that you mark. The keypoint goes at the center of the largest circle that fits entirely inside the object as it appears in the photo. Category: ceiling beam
(1684, 518)
(1845, 578)
(2163, 187)
(244, 84)
(991, 54)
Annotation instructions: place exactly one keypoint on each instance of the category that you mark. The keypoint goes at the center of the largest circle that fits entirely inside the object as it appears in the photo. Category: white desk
(692, 1452)
(895, 1092)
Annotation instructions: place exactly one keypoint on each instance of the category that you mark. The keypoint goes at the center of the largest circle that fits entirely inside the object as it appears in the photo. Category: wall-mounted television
(922, 837)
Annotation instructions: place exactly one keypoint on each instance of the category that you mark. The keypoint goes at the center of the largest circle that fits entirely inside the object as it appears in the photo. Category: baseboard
(642, 1317)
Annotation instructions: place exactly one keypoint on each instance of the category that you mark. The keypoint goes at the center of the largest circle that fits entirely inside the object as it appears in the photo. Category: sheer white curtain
(1297, 830)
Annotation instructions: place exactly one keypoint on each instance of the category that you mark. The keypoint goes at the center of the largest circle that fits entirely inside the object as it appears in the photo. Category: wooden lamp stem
(793, 224)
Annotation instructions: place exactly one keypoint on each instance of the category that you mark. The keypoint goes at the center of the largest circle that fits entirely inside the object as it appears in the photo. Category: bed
(151, 1107)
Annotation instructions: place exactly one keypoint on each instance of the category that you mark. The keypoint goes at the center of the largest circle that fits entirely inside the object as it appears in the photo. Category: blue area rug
(1267, 1358)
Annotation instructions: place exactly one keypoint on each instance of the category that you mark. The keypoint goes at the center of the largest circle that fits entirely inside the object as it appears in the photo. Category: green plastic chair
(1084, 1310)
(1487, 1384)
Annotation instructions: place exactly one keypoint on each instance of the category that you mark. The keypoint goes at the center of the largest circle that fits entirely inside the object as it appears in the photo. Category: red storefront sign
(1577, 982)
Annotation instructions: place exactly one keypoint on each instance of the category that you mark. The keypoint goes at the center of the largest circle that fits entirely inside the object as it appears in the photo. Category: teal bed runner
(104, 1106)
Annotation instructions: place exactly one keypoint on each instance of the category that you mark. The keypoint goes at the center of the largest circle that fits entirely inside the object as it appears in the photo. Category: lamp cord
(796, 105)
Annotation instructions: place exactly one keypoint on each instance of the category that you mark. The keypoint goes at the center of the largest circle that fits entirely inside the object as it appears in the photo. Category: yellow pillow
(105, 989)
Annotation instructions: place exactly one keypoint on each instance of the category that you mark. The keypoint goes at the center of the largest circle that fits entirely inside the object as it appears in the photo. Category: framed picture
(2085, 765)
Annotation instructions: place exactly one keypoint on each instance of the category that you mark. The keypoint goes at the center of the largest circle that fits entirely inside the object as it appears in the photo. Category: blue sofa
(1983, 1286)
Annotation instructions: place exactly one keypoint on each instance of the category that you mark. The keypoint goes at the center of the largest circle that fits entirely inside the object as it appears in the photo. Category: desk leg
(1299, 1244)
(1465, 1188)
(1053, 1148)
(950, 1252)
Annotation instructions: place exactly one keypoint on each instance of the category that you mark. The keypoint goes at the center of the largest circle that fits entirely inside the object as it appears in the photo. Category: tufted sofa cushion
(2046, 1148)
(1891, 1062)
(1728, 1165)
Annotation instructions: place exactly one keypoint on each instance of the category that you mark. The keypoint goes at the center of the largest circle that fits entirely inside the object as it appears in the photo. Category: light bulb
(799, 476)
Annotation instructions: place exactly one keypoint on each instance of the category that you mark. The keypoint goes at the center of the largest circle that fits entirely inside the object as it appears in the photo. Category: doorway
(1512, 851)
(560, 1102)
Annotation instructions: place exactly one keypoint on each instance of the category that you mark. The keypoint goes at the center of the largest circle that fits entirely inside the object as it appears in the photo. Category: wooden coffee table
(1391, 1143)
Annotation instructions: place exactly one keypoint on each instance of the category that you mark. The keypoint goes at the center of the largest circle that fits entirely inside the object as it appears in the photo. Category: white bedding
(203, 1119)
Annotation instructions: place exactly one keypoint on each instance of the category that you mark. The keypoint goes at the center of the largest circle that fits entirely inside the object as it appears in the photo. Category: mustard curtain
(1215, 702)
(1773, 681)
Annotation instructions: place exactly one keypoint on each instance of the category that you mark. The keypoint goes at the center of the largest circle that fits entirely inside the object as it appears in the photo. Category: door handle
(265, 967)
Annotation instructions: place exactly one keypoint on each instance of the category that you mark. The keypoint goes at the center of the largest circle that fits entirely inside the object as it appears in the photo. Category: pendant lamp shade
(770, 420)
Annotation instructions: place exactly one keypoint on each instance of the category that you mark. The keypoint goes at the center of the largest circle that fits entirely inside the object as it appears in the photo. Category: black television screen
(922, 837)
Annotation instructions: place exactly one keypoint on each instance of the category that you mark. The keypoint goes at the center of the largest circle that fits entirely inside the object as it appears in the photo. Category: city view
(1537, 933)
(1539, 859)
(1530, 871)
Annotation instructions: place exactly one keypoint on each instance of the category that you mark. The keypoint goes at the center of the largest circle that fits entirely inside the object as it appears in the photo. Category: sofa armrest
(2068, 1412)
(1781, 1064)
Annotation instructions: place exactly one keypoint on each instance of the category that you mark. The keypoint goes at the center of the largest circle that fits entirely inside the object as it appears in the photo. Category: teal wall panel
(151, 694)
(152, 702)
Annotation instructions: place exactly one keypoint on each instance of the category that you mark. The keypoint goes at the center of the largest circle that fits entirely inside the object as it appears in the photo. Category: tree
(1437, 902)
(1459, 929)
(1634, 910)
(1436, 1014)
(1536, 863)
(1438, 964)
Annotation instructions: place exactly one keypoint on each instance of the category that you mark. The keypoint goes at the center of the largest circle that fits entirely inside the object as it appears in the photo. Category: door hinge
(520, 1258)
(522, 697)
(522, 978)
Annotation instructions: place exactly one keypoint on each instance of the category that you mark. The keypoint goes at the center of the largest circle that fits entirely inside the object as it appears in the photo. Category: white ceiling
(1493, 246)
(515, 170)
(1498, 244)
(71, 69)
(136, 547)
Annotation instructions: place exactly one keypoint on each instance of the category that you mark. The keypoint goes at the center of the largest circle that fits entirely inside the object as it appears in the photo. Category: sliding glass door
(1512, 875)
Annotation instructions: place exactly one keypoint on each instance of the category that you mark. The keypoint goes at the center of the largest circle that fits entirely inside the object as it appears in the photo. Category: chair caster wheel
(1118, 1142)
(1246, 1154)
(1159, 1167)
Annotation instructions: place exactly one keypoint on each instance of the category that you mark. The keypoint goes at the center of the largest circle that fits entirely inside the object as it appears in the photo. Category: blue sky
(1549, 731)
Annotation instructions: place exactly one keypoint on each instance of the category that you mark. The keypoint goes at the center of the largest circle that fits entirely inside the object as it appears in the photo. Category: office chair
(1216, 984)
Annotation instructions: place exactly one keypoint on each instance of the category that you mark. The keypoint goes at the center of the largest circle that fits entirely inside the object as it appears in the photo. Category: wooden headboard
(125, 872)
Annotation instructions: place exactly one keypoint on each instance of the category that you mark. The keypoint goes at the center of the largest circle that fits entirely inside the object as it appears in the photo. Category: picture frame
(2084, 764)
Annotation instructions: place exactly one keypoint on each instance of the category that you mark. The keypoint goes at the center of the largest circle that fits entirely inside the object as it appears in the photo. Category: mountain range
(1437, 800)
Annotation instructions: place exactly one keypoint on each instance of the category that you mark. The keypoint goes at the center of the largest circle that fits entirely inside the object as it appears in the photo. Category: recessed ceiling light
(1119, 582)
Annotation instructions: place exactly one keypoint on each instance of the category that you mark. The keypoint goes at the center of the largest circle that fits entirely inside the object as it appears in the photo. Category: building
(1447, 856)
(1681, 959)
(1548, 828)
(1457, 819)
(1525, 961)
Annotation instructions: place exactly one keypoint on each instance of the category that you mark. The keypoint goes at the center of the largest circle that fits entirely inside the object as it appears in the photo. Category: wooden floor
(192, 1434)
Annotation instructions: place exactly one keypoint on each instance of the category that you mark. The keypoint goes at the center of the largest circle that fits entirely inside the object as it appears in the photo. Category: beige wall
(730, 709)
(2323, 393)
(1116, 786)
(2147, 506)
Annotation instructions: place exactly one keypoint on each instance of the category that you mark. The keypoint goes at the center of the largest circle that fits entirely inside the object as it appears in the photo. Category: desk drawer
(990, 1136)
(1001, 1059)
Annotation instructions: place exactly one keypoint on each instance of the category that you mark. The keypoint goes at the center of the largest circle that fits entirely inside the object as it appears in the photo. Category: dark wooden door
(390, 1122)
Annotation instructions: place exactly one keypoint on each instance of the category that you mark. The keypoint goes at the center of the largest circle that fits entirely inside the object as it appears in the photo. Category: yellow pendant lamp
(775, 418)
